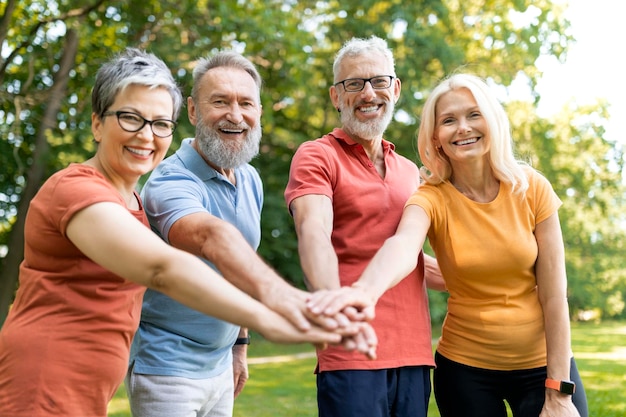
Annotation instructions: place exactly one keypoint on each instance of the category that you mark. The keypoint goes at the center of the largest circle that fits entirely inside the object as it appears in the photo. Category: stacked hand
(351, 306)
(345, 311)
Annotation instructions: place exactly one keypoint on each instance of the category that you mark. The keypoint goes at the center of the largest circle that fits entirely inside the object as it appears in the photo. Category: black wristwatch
(242, 341)
(564, 387)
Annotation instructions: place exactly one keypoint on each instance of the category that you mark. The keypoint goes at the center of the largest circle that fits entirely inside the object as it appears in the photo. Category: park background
(51, 50)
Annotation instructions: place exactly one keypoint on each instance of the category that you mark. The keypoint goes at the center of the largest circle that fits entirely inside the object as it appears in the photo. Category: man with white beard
(346, 193)
(207, 199)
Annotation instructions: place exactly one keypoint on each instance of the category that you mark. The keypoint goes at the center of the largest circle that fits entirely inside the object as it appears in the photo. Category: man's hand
(364, 341)
(352, 308)
(291, 303)
(240, 367)
(341, 311)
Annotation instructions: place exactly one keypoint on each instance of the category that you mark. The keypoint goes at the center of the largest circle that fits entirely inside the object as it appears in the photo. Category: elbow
(157, 279)
(219, 241)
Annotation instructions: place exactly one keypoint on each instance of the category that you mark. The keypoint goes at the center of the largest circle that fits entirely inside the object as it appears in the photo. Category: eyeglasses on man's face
(379, 82)
(132, 122)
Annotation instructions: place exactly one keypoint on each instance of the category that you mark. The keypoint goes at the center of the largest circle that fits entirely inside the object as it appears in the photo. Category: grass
(600, 352)
(286, 387)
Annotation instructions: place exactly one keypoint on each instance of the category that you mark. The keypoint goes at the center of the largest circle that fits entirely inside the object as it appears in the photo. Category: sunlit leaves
(293, 43)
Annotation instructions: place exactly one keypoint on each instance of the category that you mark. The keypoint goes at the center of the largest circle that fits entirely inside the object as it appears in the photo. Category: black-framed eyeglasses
(379, 82)
(132, 122)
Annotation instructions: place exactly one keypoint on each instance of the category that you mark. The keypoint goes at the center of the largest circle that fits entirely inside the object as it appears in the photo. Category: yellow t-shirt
(487, 254)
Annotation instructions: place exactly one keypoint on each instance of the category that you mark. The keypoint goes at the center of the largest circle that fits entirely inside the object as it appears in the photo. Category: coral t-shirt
(367, 210)
(487, 254)
(64, 347)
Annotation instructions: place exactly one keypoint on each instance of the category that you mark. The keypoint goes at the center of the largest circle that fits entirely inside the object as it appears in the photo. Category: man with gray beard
(346, 193)
(207, 199)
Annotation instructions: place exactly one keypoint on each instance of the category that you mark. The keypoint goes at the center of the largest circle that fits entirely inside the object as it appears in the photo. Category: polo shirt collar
(194, 162)
(340, 134)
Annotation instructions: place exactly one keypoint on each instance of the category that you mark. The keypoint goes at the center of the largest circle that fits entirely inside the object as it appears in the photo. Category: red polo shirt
(367, 210)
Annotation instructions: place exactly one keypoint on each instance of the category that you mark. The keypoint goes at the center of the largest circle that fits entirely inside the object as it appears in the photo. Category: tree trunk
(5, 20)
(36, 174)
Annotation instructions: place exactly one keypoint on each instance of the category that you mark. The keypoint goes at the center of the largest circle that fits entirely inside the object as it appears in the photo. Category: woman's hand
(355, 302)
(558, 405)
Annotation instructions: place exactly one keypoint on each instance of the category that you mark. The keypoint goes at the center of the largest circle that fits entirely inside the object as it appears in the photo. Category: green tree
(34, 112)
(586, 172)
(46, 80)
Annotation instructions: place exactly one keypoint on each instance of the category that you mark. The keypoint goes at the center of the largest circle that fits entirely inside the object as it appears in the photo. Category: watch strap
(242, 341)
(564, 387)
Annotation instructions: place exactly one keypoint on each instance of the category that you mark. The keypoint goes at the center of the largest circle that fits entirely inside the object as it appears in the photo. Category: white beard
(368, 130)
(227, 154)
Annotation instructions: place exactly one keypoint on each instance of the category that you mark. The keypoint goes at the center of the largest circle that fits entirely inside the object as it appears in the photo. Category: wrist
(368, 290)
(269, 293)
(242, 341)
(561, 386)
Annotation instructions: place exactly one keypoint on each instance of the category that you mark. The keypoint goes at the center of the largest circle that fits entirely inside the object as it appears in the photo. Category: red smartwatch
(564, 387)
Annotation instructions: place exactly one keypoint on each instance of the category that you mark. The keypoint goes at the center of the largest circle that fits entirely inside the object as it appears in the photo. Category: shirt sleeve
(543, 200)
(310, 173)
(74, 189)
(427, 197)
(171, 194)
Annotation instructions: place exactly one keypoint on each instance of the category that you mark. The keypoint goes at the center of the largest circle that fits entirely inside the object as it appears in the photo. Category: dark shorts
(398, 392)
(465, 391)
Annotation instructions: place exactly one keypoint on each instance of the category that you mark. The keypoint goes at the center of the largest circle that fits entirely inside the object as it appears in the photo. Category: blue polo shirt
(172, 339)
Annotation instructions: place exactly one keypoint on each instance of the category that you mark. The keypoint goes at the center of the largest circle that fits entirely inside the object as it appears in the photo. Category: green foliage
(585, 171)
(293, 44)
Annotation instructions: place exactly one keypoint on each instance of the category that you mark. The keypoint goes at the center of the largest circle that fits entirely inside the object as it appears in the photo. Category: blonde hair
(504, 164)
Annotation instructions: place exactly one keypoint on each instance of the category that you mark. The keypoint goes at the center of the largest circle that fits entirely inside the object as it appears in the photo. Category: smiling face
(460, 128)
(227, 117)
(365, 114)
(132, 154)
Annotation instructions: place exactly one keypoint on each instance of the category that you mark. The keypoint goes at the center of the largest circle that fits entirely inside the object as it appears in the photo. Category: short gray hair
(228, 59)
(359, 46)
(132, 67)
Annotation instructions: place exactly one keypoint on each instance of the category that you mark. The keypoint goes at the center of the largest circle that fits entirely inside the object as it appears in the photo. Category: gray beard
(227, 154)
(369, 130)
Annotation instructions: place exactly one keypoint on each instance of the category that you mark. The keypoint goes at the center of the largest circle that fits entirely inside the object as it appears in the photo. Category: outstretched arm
(394, 260)
(313, 219)
(109, 235)
(221, 243)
